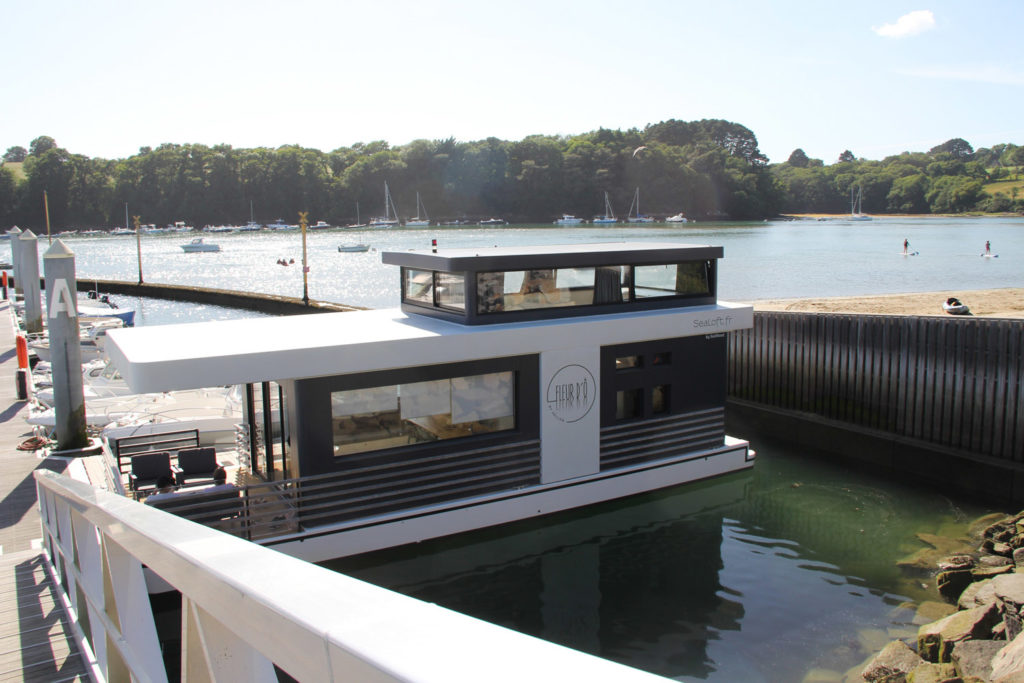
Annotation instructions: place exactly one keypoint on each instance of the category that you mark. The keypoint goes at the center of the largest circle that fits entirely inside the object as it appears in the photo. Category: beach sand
(989, 303)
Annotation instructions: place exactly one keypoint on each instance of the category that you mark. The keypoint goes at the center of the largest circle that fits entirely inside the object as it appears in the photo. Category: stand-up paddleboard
(989, 255)
(909, 253)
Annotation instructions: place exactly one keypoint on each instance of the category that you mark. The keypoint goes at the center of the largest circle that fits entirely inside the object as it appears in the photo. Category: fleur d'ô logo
(571, 393)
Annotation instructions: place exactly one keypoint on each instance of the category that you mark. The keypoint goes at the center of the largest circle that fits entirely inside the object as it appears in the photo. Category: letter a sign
(61, 300)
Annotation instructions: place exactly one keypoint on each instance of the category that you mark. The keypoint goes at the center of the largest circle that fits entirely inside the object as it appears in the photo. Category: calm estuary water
(762, 260)
(760, 576)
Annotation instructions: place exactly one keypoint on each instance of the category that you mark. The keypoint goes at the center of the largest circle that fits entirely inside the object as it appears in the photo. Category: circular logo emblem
(571, 393)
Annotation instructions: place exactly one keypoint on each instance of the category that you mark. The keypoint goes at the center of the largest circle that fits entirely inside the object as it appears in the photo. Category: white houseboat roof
(551, 255)
(194, 355)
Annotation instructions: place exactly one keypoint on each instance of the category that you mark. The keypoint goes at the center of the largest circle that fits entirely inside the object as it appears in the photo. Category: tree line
(709, 169)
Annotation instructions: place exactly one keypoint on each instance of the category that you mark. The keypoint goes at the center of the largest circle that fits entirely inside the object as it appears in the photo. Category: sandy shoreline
(989, 303)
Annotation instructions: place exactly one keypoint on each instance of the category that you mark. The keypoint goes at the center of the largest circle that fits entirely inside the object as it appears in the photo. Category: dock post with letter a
(65, 348)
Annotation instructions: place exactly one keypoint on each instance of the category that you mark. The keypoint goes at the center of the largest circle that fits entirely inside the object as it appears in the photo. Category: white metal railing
(246, 608)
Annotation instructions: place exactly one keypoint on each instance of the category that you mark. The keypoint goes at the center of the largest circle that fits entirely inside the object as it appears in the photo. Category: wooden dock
(35, 639)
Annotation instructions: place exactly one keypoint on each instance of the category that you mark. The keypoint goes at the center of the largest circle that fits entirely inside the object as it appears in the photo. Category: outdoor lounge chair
(195, 466)
(146, 468)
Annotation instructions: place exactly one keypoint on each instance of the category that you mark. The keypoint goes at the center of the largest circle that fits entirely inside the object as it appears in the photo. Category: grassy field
(1007, 187)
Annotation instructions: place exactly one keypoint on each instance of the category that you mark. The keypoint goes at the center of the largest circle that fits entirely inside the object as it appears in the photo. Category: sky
(105, 78)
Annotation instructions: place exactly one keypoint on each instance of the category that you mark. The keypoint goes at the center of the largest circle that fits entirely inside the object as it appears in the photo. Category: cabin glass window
(672, 279)
(451, 290)
(419, 286)
(628, 362)
(398, 415)
(660, 399)
(523, 290)
(629, 404)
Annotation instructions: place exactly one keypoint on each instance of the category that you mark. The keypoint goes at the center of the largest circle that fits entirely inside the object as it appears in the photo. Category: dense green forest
(710, 169)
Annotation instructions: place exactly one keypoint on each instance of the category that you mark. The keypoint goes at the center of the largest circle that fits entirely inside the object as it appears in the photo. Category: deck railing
(952, 382)
(247, 610)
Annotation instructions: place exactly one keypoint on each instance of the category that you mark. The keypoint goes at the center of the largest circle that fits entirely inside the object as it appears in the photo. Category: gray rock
(977, 594)
(953, 582)
(974, 657)
(1009, 591)
(1018, 557)
(895, 659)
(1009, 661)
(935, 641)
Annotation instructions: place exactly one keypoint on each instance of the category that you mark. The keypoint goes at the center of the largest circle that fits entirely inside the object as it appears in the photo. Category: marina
(549, 579)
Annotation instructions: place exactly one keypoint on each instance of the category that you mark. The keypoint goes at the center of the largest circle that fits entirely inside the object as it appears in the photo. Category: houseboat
(510, 383)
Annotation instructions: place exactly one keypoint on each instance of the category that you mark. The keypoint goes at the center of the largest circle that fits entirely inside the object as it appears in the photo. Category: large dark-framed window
(388, 433)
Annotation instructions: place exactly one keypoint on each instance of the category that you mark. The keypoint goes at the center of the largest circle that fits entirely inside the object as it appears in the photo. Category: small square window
(660, 399)
(628, 362)
(629, 404)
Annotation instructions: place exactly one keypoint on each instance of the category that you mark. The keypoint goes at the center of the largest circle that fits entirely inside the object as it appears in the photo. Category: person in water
(906, 245)
(988, 247)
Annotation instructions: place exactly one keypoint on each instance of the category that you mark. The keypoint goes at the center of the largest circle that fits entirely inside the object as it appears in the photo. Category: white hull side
(411, 526)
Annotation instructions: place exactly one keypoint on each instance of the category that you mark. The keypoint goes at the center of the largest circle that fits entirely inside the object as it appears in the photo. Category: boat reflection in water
(760, 575)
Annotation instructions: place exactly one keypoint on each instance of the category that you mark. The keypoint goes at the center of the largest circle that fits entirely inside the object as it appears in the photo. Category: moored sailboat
(390, 217)
(421, 218)
(635, 206)
(609, 216)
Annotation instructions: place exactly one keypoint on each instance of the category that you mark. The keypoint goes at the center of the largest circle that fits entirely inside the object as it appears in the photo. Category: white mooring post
(28, 255)
(15, 232)
(65, 349)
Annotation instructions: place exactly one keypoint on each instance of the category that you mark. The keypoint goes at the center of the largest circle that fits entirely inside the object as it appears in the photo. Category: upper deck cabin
(502, 285)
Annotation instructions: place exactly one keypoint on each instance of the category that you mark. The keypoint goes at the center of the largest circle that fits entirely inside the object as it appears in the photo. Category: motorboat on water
(214, 412)
(100, 379)
(568, 219)
(353, 248)
(198, 245)
(321, 225)
(678, 218)
(105, 308)
(92, 334)
(489, 221)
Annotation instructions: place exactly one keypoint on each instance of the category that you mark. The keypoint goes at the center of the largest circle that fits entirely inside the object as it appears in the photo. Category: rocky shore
(974, 631)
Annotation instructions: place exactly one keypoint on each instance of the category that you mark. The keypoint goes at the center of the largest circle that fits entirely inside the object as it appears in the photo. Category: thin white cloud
(908, 25)
(976, 74)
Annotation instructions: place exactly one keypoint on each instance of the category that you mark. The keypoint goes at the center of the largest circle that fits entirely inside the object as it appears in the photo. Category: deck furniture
(147, 468)
(195, 466)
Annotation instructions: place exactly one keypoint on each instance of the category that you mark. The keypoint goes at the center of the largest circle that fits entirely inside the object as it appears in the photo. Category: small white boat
(320, 225)
(568, 219)
(92, 335)
(678, 218)
(954, 306)
(353, 248)
(279, 224)
(198, 245)
(122, 231)
(489, 221)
